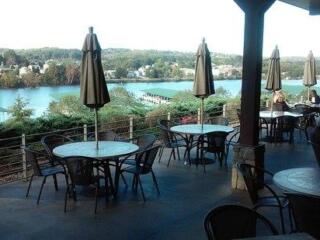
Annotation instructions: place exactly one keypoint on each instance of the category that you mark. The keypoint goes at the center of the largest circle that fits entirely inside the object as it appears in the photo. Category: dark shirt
(280, 106)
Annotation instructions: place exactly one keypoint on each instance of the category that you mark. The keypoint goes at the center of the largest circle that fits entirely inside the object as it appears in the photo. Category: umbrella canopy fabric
(309, 78)
(93, 88)
(274, 74)
(203, 81)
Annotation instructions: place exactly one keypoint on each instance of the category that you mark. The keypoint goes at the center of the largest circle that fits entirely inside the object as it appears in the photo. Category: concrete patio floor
(186, 196)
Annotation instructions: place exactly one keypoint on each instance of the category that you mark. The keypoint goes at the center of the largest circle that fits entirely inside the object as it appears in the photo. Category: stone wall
(253, 155)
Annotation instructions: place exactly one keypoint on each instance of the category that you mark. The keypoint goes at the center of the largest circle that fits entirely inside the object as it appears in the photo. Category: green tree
(9, 80)
(55, 74)
(10, 57)
(68, 105)
(31, 79)
(121, 72)
(72, 73)
(19, 111)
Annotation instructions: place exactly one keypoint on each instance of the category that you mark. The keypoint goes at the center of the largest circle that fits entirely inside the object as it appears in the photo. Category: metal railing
(13, 164)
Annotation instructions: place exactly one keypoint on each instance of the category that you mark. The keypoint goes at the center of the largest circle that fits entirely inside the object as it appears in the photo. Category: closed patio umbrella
(274, 74)
(93, 88)
(203, 81)
(309, 76)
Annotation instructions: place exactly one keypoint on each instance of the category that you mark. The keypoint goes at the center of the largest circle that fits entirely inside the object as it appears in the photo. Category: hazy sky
(153, 24)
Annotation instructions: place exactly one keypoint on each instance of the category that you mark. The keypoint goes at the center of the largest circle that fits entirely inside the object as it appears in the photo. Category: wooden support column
(252, 64)
(249, 150)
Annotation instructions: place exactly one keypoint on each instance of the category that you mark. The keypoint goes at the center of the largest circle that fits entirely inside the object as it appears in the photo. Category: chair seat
(130, 161)
(177, 143)
(272, 202)
(52, 170)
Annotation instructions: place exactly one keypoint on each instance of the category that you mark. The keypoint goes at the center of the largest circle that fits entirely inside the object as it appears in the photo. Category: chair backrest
(80, 169)
(286, 123)
(220, 120)
(234, 221)
(315, 141)
(146, 159)
(32, 158)
(166, 136)
(249, 174)
(51, 141)
(302, 108)
(306, 213)
(104, 136)
(216, 142)
(166, 123)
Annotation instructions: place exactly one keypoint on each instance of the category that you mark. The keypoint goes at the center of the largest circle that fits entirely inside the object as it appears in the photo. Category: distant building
(44, 68)
(110, 74)
(188, 71)
(23, 70)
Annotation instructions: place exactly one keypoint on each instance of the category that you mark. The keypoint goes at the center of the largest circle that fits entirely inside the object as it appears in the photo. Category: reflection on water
(39, 98)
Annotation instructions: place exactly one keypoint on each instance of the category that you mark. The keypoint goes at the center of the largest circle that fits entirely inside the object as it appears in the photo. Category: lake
(39, 98)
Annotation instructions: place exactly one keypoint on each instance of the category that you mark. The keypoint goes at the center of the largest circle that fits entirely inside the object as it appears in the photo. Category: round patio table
(197, 129)
(108, 151)
(191, 130)
(299, 180)
(272, 116)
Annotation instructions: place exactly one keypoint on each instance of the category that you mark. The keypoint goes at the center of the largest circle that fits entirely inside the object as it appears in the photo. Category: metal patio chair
(146, 160)
(42, 169)
(233, 221)
(249, 174)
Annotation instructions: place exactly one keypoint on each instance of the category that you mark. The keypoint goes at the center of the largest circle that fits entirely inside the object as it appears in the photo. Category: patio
(186, 196)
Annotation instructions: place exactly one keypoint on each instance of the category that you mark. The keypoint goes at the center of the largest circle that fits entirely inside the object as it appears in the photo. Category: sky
(177, 25)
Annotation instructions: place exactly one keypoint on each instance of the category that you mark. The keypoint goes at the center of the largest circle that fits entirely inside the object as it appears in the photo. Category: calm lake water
(39, 98)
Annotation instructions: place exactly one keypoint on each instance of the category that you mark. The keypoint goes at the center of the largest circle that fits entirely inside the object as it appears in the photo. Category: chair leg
(55, 182)
(155, 181)
(140, 184)
(124, 180)
(66, 198)
(43, 182)
(133, 182)
(172, 152)
(282, 221)
(160, 153)
(96, 196)
(29, 186)
(290, 218)
(178, 154)
(74, 193)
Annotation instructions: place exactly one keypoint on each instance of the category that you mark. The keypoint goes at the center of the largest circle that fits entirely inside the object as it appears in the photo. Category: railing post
(131, 127)
(224, 110)
(85, 132)
(199, 117)
(169, 116)
(24, 159)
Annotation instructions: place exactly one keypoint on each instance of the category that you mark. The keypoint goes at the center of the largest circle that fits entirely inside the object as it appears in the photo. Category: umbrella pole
(96, 127)
(308, 94)
(272, 103)
(201, 113)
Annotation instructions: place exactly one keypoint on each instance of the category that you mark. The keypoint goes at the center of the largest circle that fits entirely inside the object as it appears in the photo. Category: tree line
(63, 65)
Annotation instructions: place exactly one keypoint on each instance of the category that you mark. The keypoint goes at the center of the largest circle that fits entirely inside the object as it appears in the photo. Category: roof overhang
(313, 6)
